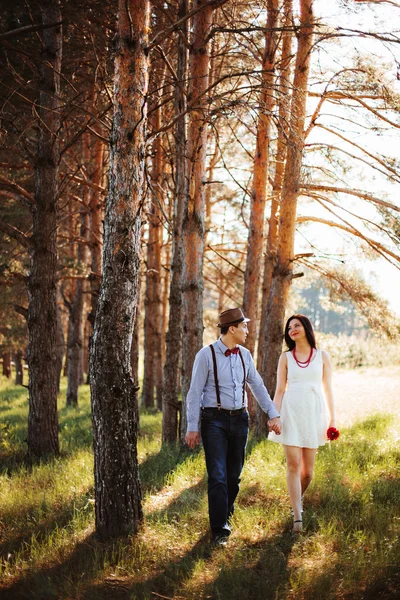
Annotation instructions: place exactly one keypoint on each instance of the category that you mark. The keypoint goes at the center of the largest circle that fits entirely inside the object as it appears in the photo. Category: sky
(334, 55)
(382, 276)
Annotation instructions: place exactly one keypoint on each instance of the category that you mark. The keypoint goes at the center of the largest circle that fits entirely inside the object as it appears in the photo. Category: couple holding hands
(298, 417)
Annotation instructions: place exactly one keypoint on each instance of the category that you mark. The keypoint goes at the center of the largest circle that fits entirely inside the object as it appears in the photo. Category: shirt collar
(221, 346)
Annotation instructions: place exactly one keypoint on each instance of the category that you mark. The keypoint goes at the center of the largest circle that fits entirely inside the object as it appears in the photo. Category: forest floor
(350, 548)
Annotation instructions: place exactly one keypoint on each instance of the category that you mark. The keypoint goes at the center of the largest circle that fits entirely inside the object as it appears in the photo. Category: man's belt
(238, 411)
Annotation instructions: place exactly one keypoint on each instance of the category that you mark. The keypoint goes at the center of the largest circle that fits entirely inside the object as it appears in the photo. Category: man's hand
(192, 438)
(275, 425)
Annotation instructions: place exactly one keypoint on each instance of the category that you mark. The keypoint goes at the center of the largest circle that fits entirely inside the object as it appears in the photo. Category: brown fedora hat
(231, 316)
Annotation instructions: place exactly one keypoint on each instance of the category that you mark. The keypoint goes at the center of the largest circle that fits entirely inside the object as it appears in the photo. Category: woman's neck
(302, 346)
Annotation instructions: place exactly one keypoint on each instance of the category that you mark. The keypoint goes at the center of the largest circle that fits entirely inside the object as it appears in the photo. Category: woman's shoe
(297, 527)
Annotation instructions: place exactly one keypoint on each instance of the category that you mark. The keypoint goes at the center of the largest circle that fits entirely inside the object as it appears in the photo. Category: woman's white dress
(304, 414)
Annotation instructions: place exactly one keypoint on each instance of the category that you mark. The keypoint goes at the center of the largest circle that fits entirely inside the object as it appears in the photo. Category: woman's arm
(281, 379)
(327, 386)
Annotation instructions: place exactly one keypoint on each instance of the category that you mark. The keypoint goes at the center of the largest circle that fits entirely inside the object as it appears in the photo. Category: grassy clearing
(48, 550)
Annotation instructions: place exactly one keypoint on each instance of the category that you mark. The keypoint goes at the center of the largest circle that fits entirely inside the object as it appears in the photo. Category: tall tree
(42, 285)
(193, 224)
(260, 173)
(283, 270)
(114, 402)
(283, 100)
(153, 334)
(76, 306)
(174, 334)
(255, 245)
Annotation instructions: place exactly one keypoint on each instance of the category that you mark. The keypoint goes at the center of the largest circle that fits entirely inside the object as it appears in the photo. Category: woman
(302, 407)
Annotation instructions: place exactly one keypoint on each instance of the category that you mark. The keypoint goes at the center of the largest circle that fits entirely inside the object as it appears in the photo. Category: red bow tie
(233, 351)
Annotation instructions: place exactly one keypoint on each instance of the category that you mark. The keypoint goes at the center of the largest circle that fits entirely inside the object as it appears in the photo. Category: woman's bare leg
(293, 456)
(307, 467)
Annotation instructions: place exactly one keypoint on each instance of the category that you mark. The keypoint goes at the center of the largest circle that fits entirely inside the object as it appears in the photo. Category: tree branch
(27, 29)
(17, 235)
(351, 192)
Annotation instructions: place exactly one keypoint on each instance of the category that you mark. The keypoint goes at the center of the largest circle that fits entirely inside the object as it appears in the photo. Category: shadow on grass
(155, 470)
(163, 585)
(83, 564)
(192, 496)
(256, 571)
(384, 587)
(72, 577)
(50, 518)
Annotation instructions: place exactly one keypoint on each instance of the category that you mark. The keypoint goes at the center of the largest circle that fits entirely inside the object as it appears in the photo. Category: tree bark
(95, 205)
(164, 323)
(260, 175)
(42, 285)
(135, 336)
(96, 176)
(152, 303)
(75, 340)
(118, 505)
(283, 271)
(193, 225)
(7, 364)
(280, 160)
(255, 244)
(283, 99)
(171, 405)
(60, 343)
(19, 368)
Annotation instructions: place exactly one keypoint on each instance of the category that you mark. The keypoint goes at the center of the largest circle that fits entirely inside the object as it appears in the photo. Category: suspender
(216, 377)
(244, 377)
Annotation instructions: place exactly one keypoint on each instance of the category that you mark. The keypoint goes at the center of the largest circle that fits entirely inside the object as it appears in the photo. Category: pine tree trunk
(95, 218)
(75, 340)
(255, 245)
(60, 343)
(193, 225)
(114, 403)
(135, 337)
(174, 335)
(260, 176)
(42, 285)
(87, 331)
(7, 364)
(283, 271)
(95, 204)
(164, 321)
(152, 303)
(19, 368)
(280, 159)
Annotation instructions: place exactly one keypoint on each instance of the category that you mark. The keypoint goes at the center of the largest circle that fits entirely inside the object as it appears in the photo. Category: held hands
(192, 438)
(275, 425)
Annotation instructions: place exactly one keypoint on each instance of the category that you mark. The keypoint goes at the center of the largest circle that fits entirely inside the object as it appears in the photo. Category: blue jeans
(224, 439)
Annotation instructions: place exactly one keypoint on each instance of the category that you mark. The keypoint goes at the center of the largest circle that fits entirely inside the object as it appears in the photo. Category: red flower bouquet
(332, 433)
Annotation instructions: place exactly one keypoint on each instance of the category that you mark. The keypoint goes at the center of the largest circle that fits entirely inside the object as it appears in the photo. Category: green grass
(48, 549)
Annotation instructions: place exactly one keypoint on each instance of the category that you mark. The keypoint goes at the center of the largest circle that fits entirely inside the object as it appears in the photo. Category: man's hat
(231, 316)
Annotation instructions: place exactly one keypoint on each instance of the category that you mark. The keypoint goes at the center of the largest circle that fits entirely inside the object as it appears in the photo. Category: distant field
(367, 391)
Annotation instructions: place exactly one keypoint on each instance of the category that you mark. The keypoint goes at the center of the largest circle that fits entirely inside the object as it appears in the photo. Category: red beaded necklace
(302, 363)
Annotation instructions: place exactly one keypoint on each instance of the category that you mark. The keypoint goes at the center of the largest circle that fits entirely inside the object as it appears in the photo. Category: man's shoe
(220, 539)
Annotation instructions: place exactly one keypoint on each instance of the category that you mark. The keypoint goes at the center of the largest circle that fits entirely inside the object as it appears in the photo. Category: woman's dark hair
(308, 328)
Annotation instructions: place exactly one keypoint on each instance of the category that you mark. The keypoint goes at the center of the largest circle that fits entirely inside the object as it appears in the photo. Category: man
(218, 396)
